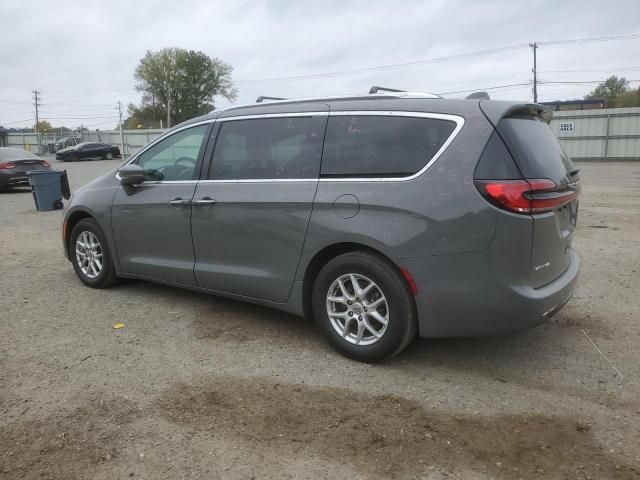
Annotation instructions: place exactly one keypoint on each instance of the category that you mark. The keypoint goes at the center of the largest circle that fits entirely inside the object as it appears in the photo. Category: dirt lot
(199, 387)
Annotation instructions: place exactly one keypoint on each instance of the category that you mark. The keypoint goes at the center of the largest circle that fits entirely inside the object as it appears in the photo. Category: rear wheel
(109, 156)
(363, 306)
(90, 255)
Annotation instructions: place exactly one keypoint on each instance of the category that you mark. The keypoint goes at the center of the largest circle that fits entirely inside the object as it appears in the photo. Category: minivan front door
(250, 217)
(152, 221)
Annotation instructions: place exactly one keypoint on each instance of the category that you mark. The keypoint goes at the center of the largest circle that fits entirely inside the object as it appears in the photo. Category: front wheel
(364, 307)
(109, 156)
(90, 255)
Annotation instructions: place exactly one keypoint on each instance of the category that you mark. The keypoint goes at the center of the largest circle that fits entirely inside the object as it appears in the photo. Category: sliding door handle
(203, 202)
(179, 202)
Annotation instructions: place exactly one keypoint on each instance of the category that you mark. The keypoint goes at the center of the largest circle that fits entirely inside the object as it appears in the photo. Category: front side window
(389, 146)
(174, 158)
(268, 148)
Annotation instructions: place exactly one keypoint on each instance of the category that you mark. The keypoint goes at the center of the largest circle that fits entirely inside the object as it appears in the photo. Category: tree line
(616, 92)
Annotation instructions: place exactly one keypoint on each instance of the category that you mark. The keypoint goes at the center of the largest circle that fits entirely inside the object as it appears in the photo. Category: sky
(81, 55)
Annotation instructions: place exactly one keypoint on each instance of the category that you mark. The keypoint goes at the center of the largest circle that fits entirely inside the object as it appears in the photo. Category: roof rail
(393, 92)
(261, 98)
(478, 96)
(376, 89)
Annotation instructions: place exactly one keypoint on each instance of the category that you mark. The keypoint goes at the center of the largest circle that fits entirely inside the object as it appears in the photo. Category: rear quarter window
(535, 148)
(368, 146)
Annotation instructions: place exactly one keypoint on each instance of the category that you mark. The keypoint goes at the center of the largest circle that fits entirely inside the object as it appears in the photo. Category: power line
(438, 59)
(594, 70)
(385, 67)
(96, 124)
(62, 115)
(18, 121)
(581, 82)
(495, 87)
(631, 36)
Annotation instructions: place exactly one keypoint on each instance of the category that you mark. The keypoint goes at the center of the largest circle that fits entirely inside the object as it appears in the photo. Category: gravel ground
(200, 387)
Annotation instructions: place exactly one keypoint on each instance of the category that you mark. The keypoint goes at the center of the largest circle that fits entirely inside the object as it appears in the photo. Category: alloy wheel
(357, 309)
(89, 254)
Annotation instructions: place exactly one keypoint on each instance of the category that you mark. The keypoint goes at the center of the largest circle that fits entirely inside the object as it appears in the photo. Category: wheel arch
(321, 258)
(69, 224)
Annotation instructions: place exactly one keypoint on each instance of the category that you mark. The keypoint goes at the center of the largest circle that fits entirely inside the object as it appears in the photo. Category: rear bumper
(459, 296)
(14, 179)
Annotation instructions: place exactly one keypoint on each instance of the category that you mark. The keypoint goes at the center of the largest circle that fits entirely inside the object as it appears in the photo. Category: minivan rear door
(539, 156)
(251, 210)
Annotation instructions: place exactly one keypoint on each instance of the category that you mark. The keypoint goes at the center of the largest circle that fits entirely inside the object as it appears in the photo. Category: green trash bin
(48, 188)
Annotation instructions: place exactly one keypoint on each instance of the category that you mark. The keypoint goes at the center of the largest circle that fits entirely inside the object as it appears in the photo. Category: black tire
(402, 318)
(107, 274)
(109, 156)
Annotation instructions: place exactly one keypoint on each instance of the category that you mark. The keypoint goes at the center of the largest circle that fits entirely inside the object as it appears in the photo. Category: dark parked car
(381, 216)
(65, 142)
(88, 150)
(14, 165)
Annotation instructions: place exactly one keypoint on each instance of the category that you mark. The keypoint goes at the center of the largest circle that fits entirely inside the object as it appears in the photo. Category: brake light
(527, 196)
(7, 165)
(44, 163)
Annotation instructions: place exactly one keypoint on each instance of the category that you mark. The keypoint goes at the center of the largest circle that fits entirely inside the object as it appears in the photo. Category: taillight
(527, 196)
(44, 163)
(7, 165)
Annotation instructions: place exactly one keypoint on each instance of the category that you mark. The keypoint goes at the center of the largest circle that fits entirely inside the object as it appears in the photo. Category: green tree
(43, 126)
(186, 81)
(630, 98)
(144, 116)
(610, 90)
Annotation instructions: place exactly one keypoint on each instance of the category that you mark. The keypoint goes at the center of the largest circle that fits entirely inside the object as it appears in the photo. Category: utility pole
(534, 47)
(121, 134)
(36, 102)
(168, 107)
(153, 110)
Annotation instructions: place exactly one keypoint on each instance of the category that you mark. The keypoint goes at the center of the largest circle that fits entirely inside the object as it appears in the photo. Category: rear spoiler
(496, 110)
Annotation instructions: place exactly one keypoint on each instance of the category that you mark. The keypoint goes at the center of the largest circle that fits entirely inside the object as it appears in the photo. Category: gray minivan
(381, 216)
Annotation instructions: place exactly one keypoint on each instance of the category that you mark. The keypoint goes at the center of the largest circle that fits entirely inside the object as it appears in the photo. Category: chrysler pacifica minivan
(382, 217)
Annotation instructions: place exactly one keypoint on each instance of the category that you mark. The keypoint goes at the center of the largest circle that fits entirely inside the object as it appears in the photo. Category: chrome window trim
(263, 180)
(457, 119)
(157, 140)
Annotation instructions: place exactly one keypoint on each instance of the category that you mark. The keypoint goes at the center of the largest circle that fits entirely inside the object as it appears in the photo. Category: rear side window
(389, 146)
(268, 148)
(496, 162)
(535, 148)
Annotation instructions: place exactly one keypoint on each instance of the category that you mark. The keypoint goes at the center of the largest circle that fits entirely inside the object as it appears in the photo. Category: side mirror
(131, 174)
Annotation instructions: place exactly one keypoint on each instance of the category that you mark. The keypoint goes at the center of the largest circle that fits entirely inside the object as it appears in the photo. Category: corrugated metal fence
(607, 134)
(134, 140)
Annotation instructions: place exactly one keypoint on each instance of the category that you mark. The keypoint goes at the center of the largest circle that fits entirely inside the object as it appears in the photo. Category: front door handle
(204, 202)
(179, 202)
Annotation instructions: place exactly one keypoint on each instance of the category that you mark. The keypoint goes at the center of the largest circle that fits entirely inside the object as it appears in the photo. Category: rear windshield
(535, 148)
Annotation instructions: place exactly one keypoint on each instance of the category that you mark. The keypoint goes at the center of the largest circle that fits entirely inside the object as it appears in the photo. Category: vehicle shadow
(216, 318)
(15, 190)
(528, 359)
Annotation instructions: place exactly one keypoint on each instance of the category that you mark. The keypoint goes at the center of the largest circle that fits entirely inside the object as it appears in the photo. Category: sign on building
(566, 128)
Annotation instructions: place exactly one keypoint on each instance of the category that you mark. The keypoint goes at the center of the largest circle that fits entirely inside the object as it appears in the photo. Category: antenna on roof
(261, 98)
(376, 89)
(478, 96)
